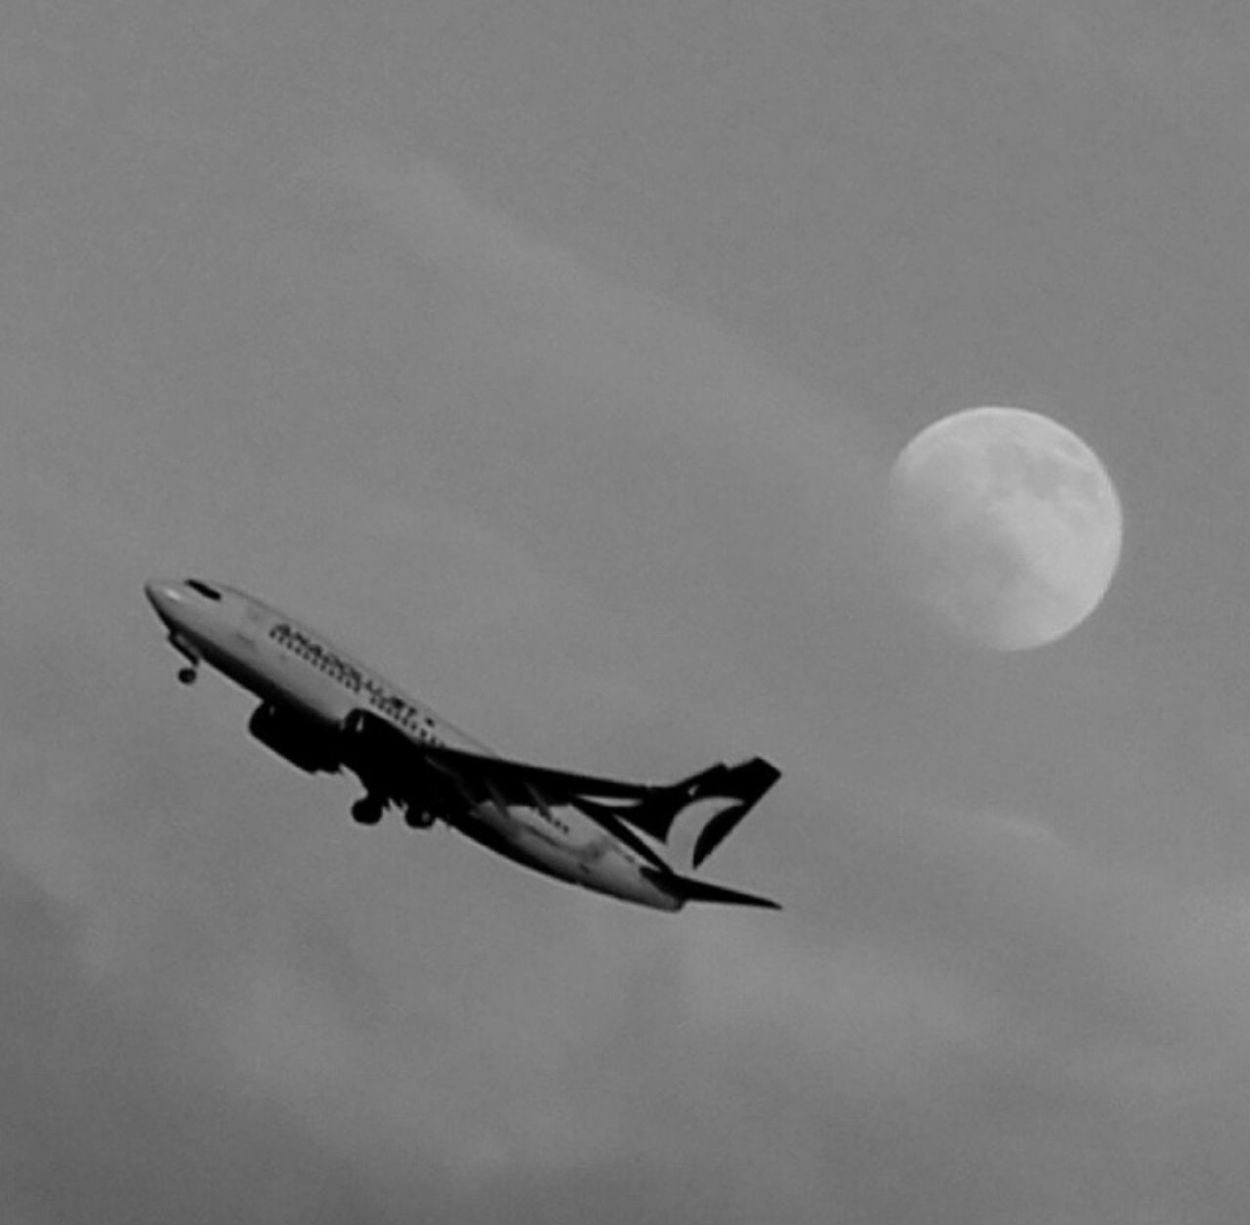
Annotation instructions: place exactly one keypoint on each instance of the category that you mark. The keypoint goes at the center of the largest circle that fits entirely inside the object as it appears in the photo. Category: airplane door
(251, 623)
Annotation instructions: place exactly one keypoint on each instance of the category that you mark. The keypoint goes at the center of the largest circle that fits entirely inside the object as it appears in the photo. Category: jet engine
(297, 740)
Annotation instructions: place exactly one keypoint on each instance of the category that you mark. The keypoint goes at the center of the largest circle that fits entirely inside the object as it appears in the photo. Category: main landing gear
(416, 818)
(187, 675)
(368, 810)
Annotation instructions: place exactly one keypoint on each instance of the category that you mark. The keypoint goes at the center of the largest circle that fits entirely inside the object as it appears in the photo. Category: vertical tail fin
(745, 784)
(749, 783)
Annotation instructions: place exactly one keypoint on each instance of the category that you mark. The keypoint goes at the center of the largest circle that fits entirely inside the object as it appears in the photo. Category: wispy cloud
(598, 526)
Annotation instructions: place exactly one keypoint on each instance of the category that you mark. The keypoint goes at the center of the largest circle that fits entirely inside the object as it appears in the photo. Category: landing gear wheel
(187, 675)
(415, 818)
(367, 811)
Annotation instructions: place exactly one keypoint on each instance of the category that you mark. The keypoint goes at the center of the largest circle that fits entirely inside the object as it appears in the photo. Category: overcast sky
(552, 356)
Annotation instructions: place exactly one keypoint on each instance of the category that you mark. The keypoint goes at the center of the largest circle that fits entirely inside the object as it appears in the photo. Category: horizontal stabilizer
(691, 890)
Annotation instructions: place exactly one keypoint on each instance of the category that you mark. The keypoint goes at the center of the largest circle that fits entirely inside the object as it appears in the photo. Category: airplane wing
(387, 753)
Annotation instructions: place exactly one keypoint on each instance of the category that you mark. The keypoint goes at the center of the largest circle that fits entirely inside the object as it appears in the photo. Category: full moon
(1005, 525)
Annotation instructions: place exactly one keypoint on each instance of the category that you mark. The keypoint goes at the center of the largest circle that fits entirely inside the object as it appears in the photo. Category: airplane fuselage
(308, 687)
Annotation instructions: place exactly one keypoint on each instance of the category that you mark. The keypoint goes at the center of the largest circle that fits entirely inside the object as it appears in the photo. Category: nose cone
(165, 596)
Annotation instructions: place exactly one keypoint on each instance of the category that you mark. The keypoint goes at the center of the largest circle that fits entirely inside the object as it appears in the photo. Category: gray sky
(553, 356)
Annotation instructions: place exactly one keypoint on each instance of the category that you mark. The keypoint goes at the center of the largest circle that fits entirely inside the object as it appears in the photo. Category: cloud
(608, 532)
(119, 1108)
(865, 1020)
(1181, 55)
(637, 418)
(711, 521)
(636, 345)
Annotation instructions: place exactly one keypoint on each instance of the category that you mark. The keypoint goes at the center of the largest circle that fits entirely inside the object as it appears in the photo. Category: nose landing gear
(186, 674)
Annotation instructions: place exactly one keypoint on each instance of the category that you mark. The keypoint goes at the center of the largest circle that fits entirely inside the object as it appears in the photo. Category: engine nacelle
(298, 740)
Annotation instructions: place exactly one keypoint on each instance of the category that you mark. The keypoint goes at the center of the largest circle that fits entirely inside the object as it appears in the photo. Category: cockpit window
(203, 588)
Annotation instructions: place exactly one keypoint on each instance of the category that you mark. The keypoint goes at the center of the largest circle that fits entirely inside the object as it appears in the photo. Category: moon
(1004, 525)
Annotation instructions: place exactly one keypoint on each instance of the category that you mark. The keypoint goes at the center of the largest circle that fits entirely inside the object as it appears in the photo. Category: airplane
(323, 711)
